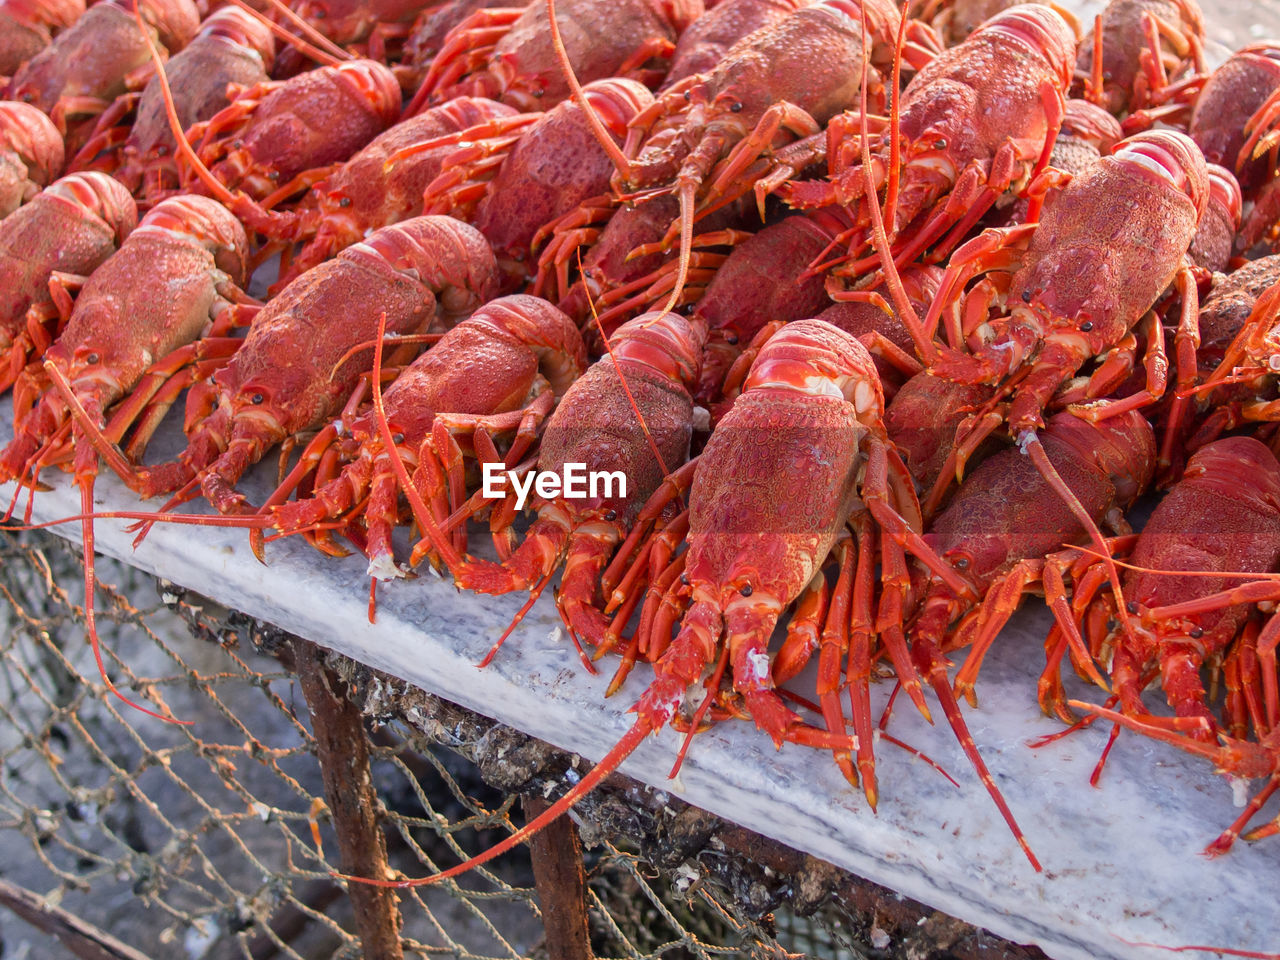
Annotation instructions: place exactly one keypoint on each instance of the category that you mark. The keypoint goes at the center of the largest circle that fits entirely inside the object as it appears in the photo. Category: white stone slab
(1122, 863)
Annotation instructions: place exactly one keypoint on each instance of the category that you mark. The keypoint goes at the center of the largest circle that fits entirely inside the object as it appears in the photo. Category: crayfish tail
(608, 764)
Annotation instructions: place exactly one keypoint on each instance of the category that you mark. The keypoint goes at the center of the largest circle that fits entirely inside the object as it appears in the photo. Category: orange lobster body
(708, 39)
(275, 132)
(1224, 515)
(31, 154)
(596, 425)
(555, 166)
(765, 279)
(371, 190)
(603, 39)
(296, 367)
(923, 420)
(157, 293)
(961, 108)
(85, 67)
(1004, 512)
(1129, 70)
(512, 356)
(28, 26)
(1064, 274)
(1107, 248)
(1231, 96)
(810, 59)
(232, 48)
(71, 227)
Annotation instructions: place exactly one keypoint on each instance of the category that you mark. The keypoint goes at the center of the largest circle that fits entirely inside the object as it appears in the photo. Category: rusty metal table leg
(343, 750)
(561, 881)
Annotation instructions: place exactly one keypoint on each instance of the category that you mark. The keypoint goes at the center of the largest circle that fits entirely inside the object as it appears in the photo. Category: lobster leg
(933, 665)
(859, 661)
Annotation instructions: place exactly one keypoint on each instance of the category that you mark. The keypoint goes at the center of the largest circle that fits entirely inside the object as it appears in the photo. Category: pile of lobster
(859, 316)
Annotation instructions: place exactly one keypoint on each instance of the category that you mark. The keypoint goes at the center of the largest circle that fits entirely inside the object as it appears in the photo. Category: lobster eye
(256, 399)
(940, 143)
(397, 438)
(344, 202)
(91, 358)
(736, 106)
(962, 563)
(1195, 633)
(1086, 326)
(1132, 606)
(731, 339)
(1026, 296)
(746, 590)
(611, 515)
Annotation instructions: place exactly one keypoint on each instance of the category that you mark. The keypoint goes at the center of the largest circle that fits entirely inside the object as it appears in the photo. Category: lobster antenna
(84, 480)
(1226, 951)
(880, 239)
(1229, 575)
(248, 522)
(611, 149)
(1094, 85)
(895, 96)
(1208, 751)
(1029, 443)
(686, 192)
(330, 56)
(242, 206)
(444, 546)
(611, 761)
(622, 379)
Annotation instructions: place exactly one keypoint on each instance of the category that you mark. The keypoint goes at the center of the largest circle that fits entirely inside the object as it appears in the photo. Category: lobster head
(1123, 447)
(204, 221)
(1088, 121)
(1172, 157)
(242, 30)
(1224, 192)
(666, 342)
(29, 133)
(1042, 29)
(816, 357)
(174, 21)
(53, 13)
(100, 196)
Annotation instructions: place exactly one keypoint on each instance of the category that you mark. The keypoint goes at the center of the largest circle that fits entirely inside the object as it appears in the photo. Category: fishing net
(222, 838)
